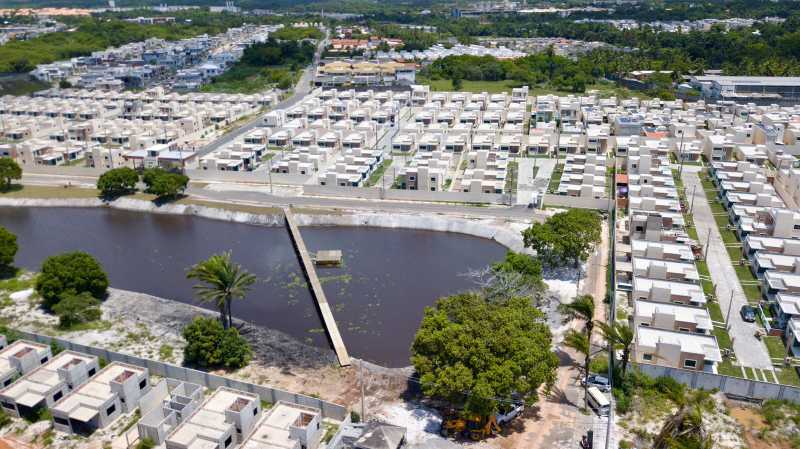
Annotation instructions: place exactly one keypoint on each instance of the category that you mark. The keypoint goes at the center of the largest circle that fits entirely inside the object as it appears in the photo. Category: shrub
(355, 417)
(74, 309)
(118, 181)
(9, 170)
(8, 247)
(146, 443)
(209, 345)
(70, 273)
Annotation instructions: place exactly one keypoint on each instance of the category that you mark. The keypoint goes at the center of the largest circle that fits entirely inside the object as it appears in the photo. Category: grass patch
(377, 174)
(166, 352)
(30, 191)
(788, 376)
(555, 178)
(748, 373)
(775, 347)
(512, 171)
(726, 368)
(723, 339)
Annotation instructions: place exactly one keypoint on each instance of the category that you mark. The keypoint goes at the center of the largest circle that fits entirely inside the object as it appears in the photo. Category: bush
(146, 443)
(8, 247)
(70, 273)
(118, 181)
(209, 345)
(164, 184)
(355, 417)
(74, 309)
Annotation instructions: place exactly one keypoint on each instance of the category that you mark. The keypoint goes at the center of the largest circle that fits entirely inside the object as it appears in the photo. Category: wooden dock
(316, 288)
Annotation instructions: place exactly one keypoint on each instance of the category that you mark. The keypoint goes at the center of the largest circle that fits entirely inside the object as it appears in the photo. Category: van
(598, 401)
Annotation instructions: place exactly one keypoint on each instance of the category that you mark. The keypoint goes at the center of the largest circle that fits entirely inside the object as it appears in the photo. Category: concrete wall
(259, 177)
(577, 201)
(729, 385)
(211, 381)
(405, 195)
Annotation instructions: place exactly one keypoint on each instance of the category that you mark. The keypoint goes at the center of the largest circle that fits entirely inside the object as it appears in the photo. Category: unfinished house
(225, 419)
(167, 404)
(47, 384)
(287, 426)
(114, 391)
(21, 357)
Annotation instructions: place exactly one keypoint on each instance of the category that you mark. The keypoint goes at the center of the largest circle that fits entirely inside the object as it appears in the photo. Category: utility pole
(680, 154)
(691, 204)
(361, 376)
(728, 315)
(708, 242)
(269, 173)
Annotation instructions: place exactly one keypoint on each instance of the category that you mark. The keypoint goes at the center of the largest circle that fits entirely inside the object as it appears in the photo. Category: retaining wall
(405, 195)
(577, 201)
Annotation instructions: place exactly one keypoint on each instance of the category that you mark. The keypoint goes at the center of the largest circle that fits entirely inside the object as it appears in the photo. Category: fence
(406, 195)
(729, 385)
(211, 381)
(577, 201)
(257, 177)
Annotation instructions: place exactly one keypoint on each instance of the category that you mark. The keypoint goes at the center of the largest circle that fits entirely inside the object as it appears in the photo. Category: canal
(377, 295)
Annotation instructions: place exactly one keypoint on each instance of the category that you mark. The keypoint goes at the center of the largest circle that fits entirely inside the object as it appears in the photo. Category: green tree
(74, 309)
(458, 84)
(525, 265)
(581, 308)
(210, 345)
(164, 184)
(9, 171)
(8, 248)
(117, 181)
(620, 336)
(64, 84)
(222, 282)
(566, 237)
(472, 352)
(582, 345)
(146, 443)
(70, 273)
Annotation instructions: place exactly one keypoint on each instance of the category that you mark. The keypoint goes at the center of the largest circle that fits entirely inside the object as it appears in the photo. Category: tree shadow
(12, 188)
(163, 200)
(9, 272)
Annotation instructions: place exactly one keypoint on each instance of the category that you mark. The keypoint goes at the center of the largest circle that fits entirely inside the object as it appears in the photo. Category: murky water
(377, 296)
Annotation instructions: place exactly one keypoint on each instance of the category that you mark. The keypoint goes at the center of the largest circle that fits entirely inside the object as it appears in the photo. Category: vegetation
(529, 268)
(146, 443)
(93, 34)
(565, 238)
(117, 182)
(164, 184)
(297, 33)
(581, 308)
(271, 63)
(222, 282)
(620, 336)
(209, 345)
(8, 249)
(9, 171)
(74, 309)
(474, 353)
(70, 274)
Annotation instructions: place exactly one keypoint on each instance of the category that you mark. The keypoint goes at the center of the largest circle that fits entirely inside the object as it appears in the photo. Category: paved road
(749, 350)
(527, 183)
(302, 89)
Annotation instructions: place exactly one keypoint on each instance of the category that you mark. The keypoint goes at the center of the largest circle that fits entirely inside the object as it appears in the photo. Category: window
(689, 363)
(229, 441)
(91, 372)
(7, 382)
(142, 384)
(684, 329)
(58, 396)
(255, 411)
(647, 357)
(111, 410)
(44, 359)
(60, 420)
(8, 405)
(644, 324)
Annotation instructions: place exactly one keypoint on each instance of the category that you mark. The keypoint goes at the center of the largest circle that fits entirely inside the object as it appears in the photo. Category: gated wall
(211, 381)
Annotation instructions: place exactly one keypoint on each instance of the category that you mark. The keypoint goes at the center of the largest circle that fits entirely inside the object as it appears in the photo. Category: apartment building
(112, 392)
(46, 385)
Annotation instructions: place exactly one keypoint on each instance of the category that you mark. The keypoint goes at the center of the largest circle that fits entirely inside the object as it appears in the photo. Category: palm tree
(582, 308)
(222, 282)
(620, 337)
(580, 343)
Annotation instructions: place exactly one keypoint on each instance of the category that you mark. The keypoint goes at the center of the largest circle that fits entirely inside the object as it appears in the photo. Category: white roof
(32, 388)
(208, 424)
(687, 314)
(688, 342)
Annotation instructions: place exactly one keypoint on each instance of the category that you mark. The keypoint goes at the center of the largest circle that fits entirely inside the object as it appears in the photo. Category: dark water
(377, 296)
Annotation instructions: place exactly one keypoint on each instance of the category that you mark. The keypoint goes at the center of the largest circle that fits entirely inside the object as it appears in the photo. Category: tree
(525, 265)
(70, 273)
(8, 248)
(580, 343)
(471, 352)
(74, 309)
(457, 84)
(117, 181)
(9, 170)
(64, 84)
(566, 237)
(164, 184)
(620, 336)
(581, 308)
(222, 282)
(210, 345)
(684, 430)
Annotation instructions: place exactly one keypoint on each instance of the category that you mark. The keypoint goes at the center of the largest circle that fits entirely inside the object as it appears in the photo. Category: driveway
(749, 350)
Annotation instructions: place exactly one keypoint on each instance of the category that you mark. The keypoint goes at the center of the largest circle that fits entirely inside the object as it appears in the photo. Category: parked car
(602, 383)
(748, 313)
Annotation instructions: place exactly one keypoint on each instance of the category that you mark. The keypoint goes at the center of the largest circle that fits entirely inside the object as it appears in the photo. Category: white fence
(577, 201)
(211, 381)
(730, 385)
(375, 193)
